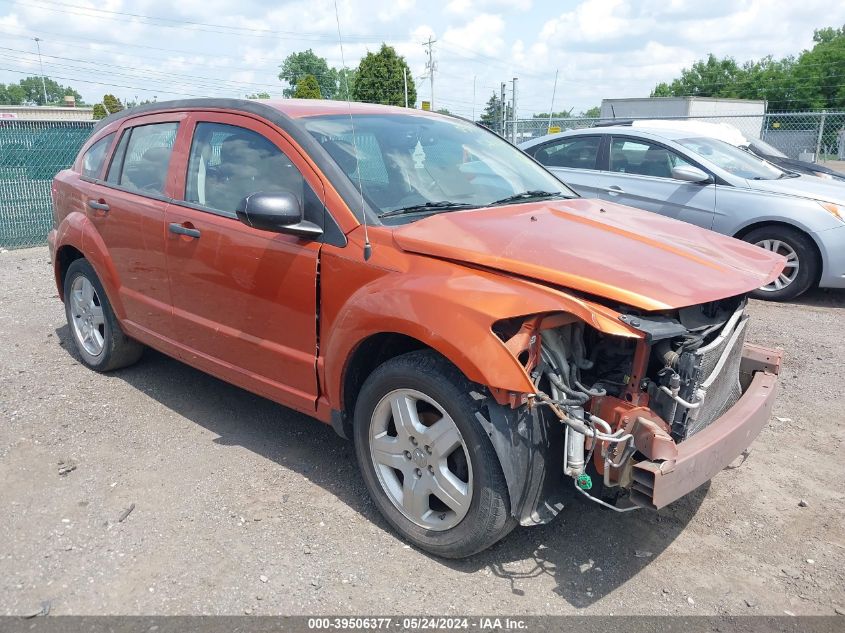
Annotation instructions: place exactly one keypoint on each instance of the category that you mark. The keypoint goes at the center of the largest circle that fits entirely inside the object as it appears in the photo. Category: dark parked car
(774, 155)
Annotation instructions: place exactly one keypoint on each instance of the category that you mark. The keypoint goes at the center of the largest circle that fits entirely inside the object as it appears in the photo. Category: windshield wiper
(442, 205)
(527, 195)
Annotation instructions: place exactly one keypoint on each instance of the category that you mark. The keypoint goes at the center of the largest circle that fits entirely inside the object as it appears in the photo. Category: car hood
(810, 168)
(804, 187)
(629, 256)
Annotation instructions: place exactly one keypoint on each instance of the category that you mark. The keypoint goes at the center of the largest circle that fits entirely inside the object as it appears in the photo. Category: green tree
(112, 104)
(259, 95)
(99, 112)
(346, 79)
(381, 79)
(307, 88)
(592, 113)
(563, 114)
(712, 77)
(34, 91)
(491, 118)
(820, 72)
(12, 94)
(134, 103)
(297, 65)
(811, 81)
(773, 80)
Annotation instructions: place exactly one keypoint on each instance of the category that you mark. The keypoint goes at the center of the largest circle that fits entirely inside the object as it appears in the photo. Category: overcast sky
(601, 48)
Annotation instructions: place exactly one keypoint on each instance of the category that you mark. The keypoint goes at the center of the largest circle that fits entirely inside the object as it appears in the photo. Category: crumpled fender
(78, 231)
(446, 306)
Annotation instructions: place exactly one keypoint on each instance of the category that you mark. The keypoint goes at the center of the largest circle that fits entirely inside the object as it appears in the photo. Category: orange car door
(244, 300)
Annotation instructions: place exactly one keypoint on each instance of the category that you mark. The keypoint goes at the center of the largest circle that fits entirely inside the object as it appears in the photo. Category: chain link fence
(31, 153)
(809, 136)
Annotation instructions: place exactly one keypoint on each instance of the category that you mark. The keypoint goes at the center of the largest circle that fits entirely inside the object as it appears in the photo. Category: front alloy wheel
(428, 464)
(421, 459)
(801, 270)
(790, 270)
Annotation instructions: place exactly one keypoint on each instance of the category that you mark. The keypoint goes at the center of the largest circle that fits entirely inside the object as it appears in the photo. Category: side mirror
(688, 173)
(277, 212)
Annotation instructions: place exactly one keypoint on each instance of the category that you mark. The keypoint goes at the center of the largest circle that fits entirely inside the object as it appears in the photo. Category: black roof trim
(339, 180)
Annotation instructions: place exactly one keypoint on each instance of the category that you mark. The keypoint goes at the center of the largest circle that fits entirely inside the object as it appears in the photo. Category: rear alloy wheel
(427, 463)
(99, 340)
(801, 267)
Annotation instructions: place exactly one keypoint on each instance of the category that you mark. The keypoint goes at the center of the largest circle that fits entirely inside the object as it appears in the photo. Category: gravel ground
(242, 506)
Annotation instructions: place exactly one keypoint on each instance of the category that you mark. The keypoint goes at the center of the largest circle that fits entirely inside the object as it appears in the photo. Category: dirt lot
(241, 506)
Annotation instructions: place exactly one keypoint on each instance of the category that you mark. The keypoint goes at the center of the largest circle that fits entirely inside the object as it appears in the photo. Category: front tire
(426, 461)
(93, 326)
(802, 262)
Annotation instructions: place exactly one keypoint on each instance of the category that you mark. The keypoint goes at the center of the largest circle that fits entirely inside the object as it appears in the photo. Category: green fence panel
(31, 153)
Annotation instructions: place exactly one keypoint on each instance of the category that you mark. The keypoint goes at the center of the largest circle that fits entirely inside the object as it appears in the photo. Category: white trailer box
(744, 114)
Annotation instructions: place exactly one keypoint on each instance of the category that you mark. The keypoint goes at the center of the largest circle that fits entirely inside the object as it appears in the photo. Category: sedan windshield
(732, 159)
(416, 164)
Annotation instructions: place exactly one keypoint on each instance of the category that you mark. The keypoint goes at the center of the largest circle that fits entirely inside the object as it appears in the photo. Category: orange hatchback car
(487, 338)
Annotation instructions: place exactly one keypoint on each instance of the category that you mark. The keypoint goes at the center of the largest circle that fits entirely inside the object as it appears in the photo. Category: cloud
(602, 48)
(483, 34)
(466, 7)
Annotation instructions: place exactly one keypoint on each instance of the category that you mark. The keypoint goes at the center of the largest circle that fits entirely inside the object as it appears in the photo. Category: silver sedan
(710, 183)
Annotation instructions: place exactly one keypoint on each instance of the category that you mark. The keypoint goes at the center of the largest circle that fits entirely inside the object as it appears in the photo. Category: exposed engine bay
(624, 400)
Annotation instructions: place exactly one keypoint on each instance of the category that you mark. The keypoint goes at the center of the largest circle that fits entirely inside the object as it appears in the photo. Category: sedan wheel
(801, 269)
(790, 271)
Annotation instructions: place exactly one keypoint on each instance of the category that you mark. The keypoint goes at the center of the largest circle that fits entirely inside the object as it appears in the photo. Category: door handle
(615, 190)
(99, 205)
(184, 230)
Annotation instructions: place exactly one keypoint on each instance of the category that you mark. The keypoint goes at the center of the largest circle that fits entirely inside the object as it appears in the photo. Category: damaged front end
(634, 421)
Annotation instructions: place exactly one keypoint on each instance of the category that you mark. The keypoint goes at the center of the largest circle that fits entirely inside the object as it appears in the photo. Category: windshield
(761, 147)
(422, 164)
(732, 159)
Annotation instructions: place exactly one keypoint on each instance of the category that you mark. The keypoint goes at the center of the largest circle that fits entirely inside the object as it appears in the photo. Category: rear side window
(579, 152)
(92, 162)
(228, 163)
(142, 158)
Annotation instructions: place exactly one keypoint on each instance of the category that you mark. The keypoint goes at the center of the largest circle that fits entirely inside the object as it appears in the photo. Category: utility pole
(431, 65)
(405, 79)
(552, 107)
(43, 84)
(513, 131)
(503, 110)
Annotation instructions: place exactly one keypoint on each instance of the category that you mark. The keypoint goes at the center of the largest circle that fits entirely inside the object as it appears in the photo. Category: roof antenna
(368, 250)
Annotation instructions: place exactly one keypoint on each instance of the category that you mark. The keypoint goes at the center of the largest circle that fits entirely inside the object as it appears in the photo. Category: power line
(220, 29)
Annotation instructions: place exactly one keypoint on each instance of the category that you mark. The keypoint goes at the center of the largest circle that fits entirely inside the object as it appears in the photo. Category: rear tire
(446, 496)
(93, 326)
(802, 267)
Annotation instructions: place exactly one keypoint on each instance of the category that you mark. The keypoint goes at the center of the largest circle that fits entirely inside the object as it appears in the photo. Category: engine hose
(575, 397)
(593, 393)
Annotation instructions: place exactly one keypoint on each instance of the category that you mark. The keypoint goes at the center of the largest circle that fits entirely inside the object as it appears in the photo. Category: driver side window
(643, 158)
(228, 163)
